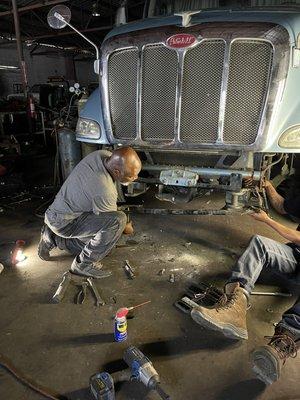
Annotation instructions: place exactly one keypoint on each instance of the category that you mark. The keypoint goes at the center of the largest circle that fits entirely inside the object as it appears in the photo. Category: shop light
(8, 67)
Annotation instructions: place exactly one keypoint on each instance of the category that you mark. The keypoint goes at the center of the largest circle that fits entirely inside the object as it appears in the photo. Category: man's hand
(128, 229)
(261, 216)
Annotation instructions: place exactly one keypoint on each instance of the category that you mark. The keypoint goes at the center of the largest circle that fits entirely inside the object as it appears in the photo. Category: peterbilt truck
(208, 93)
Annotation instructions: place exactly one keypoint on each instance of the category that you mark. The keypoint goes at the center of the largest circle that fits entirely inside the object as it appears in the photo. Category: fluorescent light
(8, 67)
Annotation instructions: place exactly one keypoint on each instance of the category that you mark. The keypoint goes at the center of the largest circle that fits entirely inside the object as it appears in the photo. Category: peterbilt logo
(181, 40)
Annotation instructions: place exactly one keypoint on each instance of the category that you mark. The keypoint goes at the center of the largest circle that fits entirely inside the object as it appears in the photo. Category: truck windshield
(169, 7)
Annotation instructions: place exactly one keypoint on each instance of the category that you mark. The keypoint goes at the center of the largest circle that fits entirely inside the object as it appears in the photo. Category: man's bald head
(124, 165)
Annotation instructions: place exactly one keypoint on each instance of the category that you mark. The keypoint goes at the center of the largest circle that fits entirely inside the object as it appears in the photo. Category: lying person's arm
(289, 234)
(276, 200)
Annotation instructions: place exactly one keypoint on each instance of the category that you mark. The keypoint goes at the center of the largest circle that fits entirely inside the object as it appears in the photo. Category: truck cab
(207, 91)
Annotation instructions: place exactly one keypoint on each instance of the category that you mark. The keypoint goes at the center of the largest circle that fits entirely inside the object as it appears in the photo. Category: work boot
(93, 270)
(268, 360)
(229, 314)
(47, 243)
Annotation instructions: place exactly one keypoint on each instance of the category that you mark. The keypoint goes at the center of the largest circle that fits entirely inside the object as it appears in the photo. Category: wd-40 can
(121, 325)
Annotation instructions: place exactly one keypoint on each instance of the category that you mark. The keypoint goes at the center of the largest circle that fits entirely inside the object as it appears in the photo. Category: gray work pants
(277, 261)
(90, 237)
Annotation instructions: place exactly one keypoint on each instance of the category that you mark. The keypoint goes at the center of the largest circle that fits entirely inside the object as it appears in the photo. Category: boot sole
(228, 330)
(265, 366)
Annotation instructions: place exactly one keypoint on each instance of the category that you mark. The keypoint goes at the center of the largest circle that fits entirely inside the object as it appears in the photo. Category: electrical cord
(8, 365)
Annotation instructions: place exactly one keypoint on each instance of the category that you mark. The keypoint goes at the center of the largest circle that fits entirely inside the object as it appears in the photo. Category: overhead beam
(68, 33)
(35, 6)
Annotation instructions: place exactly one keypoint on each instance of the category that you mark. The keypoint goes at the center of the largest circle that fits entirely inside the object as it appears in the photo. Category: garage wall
(38, 67)
(85, 72)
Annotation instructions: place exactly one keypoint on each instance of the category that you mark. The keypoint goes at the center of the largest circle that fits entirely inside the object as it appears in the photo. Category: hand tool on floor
(62, 288)
(81, 296)
(77, 280)
(143, 371)
(129, 270)
(93, 287)
(276, 294)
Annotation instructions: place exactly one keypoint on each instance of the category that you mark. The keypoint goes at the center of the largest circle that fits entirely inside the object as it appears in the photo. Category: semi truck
(207, 92)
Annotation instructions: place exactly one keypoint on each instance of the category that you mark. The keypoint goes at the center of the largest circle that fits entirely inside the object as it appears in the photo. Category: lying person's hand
(267, 184)
(260, 216)
(128, 229)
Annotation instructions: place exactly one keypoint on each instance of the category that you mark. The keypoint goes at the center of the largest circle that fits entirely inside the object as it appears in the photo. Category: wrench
(99, 300)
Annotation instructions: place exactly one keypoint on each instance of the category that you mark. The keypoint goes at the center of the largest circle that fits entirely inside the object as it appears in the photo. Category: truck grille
(201, 89)
(215, 93)
(159, 79)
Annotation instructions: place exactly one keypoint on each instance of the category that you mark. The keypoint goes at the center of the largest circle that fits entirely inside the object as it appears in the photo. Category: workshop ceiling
(35, 30)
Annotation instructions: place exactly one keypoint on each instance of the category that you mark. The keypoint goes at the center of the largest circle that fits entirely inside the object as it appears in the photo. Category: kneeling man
(83, 219)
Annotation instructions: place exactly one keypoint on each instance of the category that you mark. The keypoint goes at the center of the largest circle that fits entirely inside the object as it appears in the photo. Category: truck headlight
(88, 128)
(290, 139)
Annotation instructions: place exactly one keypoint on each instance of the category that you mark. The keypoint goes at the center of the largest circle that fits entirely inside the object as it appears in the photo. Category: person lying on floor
(83, 219)
(274, 259)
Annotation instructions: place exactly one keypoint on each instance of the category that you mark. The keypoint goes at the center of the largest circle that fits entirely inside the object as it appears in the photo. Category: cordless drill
(143, 371)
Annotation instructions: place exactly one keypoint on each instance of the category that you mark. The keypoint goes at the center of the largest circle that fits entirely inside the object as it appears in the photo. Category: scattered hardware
(277, 294)
(161, 271)
(129, 270)
(199, 294)
(83, 283)
(142, 370)
(172, 278)
(102, 386)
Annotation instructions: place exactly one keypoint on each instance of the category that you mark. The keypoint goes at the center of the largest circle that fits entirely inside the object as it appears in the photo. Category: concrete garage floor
(61, 346)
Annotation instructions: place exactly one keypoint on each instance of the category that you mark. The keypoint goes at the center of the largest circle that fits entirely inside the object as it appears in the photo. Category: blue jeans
(90, 237)
(275, 260)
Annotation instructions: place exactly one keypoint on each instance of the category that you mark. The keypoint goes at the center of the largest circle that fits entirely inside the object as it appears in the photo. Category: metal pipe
(169, 211)
(205, 171)
(33, 7)
(278, 294)
(61, 18)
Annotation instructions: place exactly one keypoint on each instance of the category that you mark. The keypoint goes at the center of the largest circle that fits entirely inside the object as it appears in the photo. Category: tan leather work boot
(228, 316)
(268, 360)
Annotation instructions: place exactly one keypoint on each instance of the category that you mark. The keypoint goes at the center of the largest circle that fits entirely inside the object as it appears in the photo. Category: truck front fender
(92, 110)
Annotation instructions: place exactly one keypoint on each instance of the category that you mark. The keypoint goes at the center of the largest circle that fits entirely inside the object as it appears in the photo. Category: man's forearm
(275, 199)
(289, 234)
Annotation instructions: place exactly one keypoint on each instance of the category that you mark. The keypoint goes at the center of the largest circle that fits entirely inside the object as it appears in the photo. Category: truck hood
(289, 19)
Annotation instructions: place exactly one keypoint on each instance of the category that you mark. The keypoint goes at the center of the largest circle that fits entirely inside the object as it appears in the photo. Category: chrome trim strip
(139, 95)
(181, 56)
(223, 96)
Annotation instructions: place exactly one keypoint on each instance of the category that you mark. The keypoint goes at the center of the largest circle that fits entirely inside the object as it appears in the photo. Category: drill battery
(102, 386)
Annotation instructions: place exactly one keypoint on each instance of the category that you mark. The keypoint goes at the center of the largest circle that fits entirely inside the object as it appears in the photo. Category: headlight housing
(88, 128)
(290, 139)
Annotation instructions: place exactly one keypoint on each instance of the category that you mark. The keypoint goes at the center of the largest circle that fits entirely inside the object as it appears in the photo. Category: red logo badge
(181, 40)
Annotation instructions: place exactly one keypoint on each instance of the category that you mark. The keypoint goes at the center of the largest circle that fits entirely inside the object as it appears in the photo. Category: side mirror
(59, 17)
